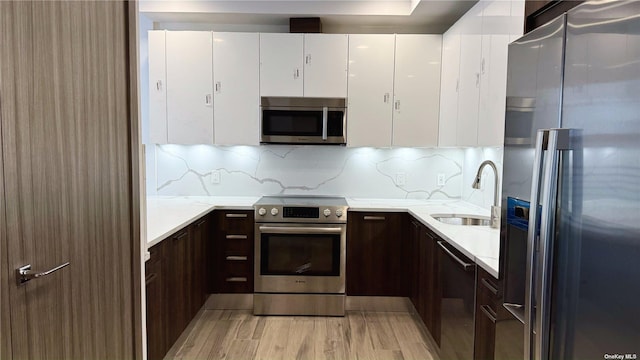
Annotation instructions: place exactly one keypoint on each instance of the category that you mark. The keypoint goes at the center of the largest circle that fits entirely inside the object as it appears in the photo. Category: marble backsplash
(309, 170)
(178, 170)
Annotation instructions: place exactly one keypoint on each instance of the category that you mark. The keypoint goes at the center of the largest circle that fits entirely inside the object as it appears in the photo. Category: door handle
(25, 274)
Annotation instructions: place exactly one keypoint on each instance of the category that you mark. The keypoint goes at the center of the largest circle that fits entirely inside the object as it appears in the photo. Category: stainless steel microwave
(289, 120)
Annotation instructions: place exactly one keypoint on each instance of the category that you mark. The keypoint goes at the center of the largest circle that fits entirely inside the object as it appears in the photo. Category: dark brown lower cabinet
(156, 304)
(488, 303)
(377, 261)
(176, 285)
(232, 252)
(424, 272)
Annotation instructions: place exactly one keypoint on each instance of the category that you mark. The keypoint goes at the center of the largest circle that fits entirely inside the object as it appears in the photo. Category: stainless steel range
(300, 248)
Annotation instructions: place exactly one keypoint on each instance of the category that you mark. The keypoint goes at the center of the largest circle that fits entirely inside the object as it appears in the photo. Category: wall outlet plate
(401, 179)
(215, 176)
(441, 179)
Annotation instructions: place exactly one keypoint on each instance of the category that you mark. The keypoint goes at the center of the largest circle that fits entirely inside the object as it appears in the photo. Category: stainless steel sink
(457, 219)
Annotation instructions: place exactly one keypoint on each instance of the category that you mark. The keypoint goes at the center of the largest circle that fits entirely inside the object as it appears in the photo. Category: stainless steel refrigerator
(570, 236)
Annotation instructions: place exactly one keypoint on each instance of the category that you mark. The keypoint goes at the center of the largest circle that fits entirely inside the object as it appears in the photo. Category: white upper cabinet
(449, 88)
(236, 75)
(370, 90)
(325, 65)
(189, 87)
(310, 65)
(416, 90)
(281, 65)
(474, 114)
(157, 87)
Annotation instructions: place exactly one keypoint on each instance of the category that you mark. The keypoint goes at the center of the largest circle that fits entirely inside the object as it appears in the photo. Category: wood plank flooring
(237, 334)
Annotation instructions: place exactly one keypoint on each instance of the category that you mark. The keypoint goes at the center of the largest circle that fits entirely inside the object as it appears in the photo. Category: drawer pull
(236, 215)
(236, 258)
(236, 279)
(236, 237)
(374, 218)
(488, 312)
(490, 286)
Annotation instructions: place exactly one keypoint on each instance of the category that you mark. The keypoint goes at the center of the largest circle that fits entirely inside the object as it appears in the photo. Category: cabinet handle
(159, 85)
(236, 215)
(236, 279)
(477, 79)
(465, 266)
(397, 105)
(386, 98)
(488, 312)
(150, 278)
(490, 286)
(374, 218)
(482, 66)
(218, 87)
(457, 85)
(176, 238)
(307, 59)
(207, 100)
(236, 237)
(236, 258)
(296, 73)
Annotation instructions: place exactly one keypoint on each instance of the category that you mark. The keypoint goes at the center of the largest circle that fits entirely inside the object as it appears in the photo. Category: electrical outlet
(215, 176)
(441, 179)
(401, 179)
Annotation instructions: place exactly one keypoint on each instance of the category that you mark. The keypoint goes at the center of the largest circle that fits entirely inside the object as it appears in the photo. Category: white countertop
(166, 215)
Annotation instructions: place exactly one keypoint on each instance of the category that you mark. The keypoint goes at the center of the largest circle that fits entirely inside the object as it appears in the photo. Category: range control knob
(262, 211)
(274, 211)
(326, 212)
(338, 213)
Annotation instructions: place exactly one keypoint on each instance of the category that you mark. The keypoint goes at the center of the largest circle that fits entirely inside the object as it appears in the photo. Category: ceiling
(351, 16)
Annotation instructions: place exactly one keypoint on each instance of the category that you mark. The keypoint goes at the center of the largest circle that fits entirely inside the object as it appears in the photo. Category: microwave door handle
(325, 115)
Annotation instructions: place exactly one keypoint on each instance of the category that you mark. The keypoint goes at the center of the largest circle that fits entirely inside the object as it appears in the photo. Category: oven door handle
(299, 230)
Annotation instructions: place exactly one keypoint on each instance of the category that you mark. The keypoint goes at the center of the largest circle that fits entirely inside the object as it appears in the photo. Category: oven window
(300, 255)
(292, 122)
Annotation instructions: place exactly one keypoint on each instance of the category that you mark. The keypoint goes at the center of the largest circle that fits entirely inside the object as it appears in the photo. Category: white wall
(315, 170)
(473, 157)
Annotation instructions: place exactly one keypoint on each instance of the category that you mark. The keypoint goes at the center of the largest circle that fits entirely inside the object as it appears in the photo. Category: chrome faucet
(495, 209)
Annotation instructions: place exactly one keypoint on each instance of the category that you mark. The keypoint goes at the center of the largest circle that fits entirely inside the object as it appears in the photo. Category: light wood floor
(237, 334)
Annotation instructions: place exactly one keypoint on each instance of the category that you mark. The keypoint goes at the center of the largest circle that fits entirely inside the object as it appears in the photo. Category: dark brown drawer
(238, 222)
(238, 267)
(237, 246)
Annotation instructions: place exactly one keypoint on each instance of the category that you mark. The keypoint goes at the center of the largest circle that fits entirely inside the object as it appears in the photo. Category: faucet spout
(495, 209)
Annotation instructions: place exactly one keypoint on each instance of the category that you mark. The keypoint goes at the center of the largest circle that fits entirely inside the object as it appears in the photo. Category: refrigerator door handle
(536, 179)
(558, 140)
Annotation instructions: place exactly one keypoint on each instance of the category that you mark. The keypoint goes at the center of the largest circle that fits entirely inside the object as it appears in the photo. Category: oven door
(300, 258)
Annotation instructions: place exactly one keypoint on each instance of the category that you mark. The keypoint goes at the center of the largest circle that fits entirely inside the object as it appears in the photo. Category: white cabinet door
(469, 90)
(449, 88)
(416, 90)
(157, 87)
(281, 70)
(370, 88)
(189, 87)
(493, 90)
(325, 65)
(236, 65)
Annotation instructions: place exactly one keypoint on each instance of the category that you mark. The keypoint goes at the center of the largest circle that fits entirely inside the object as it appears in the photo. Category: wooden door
(68, 121)
(178, 285)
